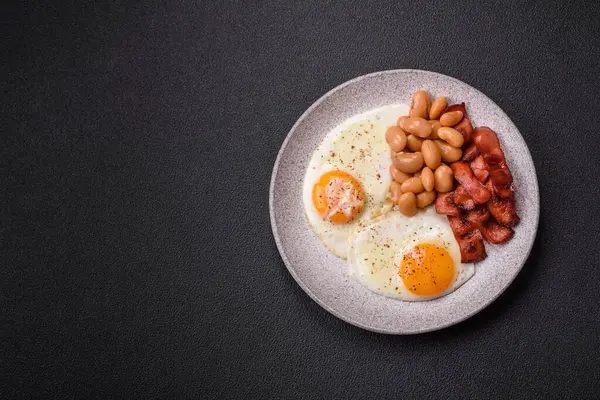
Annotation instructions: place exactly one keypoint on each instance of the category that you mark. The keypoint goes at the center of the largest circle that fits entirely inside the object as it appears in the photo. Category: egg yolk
(338, 197)
(427, 270)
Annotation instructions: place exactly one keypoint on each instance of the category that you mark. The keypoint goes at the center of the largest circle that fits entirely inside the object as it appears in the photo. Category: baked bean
(418, 126)
(408, 163)
(401, 120)
(420, 104)
(395, 192)
(398, 175)
(407, 203)
(431, 154)
(443, 179)
(437, 107)
(451, 118)
(427, 179)
(452, 136)
(414, 143)
(435, 125)
(396, 138)
(449, 154)
(413, 185)
(425, 198)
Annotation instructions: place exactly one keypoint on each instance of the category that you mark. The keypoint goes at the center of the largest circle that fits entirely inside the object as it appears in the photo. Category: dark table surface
(137, 258)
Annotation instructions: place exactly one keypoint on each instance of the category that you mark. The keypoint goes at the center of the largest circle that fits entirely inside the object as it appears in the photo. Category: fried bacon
(464, 175)
(472, 226)
(444, 204)
(480, 169)
(471, 246)
(470, 221)
(470, 153)
(462, 199)
(495, 233)
(478, 216)
(488, 145)
(464, 126)
(502, 209)
(467, 229)
(460, 226)
(483, 204)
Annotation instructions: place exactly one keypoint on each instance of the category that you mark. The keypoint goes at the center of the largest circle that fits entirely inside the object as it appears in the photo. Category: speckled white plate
(324, 276)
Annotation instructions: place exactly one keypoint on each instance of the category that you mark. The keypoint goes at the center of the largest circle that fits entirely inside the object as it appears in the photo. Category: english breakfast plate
(404, 201)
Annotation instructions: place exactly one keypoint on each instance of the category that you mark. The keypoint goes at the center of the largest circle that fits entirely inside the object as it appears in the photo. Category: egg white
(376, 249)
(357, 147)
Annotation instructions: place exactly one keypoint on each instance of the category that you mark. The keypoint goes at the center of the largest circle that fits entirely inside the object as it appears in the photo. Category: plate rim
(308, 291)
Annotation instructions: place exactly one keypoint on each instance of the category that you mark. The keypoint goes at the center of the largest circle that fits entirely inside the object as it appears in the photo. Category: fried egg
(347, 180)
(408, 258)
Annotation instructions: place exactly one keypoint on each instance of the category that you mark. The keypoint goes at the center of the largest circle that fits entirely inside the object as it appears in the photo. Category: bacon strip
(470, 221)
(464, 126)
(480, 168)
(478, 216)
(495, 233)
(471, 246)
(470, 153)
(488, 145)
(502, 209)
(464, 175)
(444, 204)
(462, 199)
(460, 226)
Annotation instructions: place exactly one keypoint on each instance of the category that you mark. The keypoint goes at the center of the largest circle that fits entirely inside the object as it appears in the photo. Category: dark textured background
(136, 252)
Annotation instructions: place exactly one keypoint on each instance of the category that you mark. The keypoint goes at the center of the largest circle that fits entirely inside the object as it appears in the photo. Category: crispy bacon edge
(495, 233)
(444, 204)
(463, 200)
(464, 175)
(502, 209)
(470, 153)
(488, 145)
(469, 221)
(471, 246)
(480, 168)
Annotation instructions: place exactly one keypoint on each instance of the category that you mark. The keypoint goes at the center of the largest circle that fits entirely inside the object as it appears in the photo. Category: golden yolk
(427, 270)
(338, 197)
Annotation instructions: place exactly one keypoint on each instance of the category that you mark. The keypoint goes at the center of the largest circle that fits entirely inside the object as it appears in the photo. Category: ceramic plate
(324, 276)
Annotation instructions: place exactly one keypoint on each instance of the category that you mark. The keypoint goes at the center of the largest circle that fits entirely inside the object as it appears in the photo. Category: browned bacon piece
(480, 169)
(495, 233)
(460, 226)
(471, 246)
(444, 204)
(470, 153)
(470, 221)
(464, 126)
(478, 216)
(502, 209)
(464, 176)
(462, 199)
(466, 229)
(488, 145)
